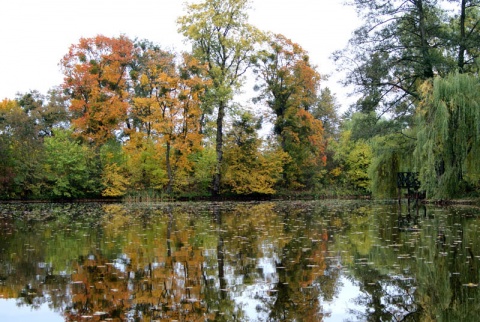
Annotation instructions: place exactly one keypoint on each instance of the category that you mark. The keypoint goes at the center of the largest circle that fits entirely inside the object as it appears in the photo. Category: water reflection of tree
(380, 265)
(300, 266)
(159, 276)
(217, 292)
(385, 298)
(449, 274)
(24, 273)
(428, 272)
(188, 262)
(166, 281)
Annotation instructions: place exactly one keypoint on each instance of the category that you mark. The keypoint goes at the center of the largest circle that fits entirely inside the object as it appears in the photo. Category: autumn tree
(140, 166)
(143, 163)
(166, 108)
(249, 168)
(180, 112)
(150, 63)
(289, 86)
(222, 39)
(115, 178)
(96, 71)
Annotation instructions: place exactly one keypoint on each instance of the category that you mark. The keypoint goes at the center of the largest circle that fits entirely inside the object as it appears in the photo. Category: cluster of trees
(170, 263)
(414, 66)
(132, 117)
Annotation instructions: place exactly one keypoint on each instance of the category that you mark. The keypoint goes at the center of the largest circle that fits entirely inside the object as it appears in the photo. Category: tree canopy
(134, 120)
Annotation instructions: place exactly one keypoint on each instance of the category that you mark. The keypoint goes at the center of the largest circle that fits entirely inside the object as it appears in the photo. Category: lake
(249, 261)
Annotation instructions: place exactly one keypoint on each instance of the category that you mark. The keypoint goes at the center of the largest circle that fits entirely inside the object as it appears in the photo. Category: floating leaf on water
(395, 245)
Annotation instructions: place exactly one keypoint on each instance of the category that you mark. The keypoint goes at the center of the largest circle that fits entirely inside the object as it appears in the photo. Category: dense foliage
(134, 120)
(414, 67)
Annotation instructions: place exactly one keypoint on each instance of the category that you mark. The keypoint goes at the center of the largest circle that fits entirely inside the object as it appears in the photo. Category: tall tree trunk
(169, 168)
(219, 149)
(461, 45)
(220, 254)
(427, 63)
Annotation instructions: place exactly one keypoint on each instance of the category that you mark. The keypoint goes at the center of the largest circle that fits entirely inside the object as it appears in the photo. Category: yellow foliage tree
(114, 180)
(249, 170)
(167, 112)
(144, 163)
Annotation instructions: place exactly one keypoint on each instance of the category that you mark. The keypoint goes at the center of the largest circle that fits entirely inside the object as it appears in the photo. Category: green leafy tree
(464, 35)
(47, 112)
(7, 166)
(69, 167)
(391, 154)
(204, 168)
(353, 158)
(392, 53)
(448, 138)
(403, 43)
(326, 110)
(23, 150)
(222, 39)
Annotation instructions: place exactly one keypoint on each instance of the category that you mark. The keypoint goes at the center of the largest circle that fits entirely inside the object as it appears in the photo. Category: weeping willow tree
(392, 153)
(448, 147)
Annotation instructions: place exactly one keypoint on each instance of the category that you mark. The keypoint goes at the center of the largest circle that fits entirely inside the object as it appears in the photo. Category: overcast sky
(36, 34)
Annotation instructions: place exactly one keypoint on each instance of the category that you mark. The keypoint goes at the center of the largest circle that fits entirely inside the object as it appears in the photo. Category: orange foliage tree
(96, 80)
(289, 85)
(166, 109)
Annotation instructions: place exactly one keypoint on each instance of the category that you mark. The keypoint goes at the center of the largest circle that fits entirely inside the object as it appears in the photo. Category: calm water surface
(269, 261)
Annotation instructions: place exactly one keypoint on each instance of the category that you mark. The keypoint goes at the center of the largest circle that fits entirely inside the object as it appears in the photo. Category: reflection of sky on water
(10, 312)
(370, 262)
(338, 309)
(249, 299)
